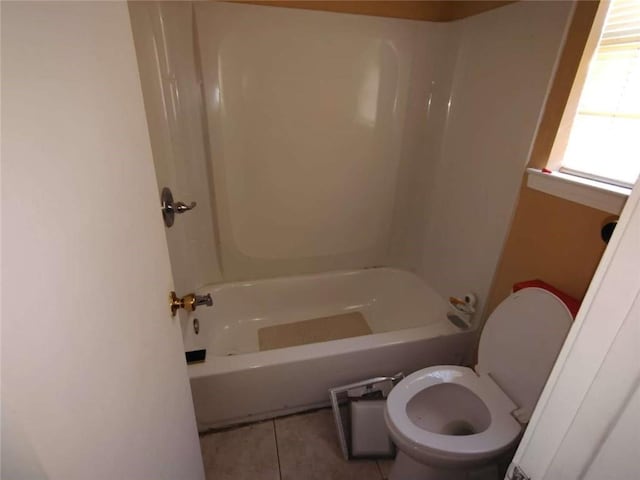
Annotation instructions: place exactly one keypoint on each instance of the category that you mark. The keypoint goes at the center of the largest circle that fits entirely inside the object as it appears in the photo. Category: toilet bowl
(446, 420)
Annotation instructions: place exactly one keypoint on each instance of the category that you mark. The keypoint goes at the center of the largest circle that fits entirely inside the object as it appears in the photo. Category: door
(587, 422)
(94, 383)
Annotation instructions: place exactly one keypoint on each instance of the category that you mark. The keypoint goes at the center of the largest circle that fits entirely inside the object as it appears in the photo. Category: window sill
(591, 193)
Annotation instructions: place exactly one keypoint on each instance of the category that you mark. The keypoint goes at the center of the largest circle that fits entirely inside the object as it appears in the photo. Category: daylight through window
(604, 141)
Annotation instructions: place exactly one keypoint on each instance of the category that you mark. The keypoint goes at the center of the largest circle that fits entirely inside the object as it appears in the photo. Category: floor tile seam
(275, 438)
(237, 426)
(229, 428)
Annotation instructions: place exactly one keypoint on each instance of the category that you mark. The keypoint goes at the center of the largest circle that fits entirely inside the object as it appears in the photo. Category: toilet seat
(502, 432)
(453, 418)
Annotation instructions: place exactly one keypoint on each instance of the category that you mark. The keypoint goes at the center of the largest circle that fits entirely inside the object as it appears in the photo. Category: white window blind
(604, 142)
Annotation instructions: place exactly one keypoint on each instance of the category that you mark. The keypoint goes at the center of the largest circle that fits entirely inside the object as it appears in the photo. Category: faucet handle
(181, 207)
(189, 302)
(170, 208)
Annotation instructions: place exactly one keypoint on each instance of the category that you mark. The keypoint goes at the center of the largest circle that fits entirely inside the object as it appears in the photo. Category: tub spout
(204, 300)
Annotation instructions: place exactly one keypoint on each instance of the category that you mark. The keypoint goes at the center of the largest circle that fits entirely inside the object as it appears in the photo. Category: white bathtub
(238, 383)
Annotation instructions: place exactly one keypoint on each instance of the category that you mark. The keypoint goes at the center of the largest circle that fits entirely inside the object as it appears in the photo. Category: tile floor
(299, 447)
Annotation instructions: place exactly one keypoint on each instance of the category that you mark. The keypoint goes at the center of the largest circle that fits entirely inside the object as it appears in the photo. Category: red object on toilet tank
(572, 304)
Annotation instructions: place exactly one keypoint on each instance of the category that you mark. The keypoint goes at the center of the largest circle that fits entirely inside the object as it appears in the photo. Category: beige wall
(551, 238)
(433, 10)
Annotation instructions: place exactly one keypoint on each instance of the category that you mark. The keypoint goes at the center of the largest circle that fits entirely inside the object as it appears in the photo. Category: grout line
(235, 426)
(380, 470)
(275, 437)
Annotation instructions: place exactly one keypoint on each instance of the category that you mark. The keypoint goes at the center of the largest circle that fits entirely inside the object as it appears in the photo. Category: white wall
(306, 179)
(308, 125)
(164, 38)
(94, 383)
(426, 114)
(504, 67)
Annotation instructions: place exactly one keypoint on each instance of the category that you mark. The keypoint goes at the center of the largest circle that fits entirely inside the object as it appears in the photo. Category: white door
(94, 383)
(587, 422)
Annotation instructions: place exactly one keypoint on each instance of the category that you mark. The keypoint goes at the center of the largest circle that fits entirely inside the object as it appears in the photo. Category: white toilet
(448, 421)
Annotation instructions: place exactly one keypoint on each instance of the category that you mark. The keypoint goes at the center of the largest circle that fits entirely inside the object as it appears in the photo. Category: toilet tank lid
(573, 304)
(520, 342)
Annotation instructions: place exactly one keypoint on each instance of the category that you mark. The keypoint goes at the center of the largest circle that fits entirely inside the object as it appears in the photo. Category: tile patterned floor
(299, 447)
(243, 453)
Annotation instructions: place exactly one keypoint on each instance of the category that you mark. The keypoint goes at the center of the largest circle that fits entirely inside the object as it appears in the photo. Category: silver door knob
(170, 208)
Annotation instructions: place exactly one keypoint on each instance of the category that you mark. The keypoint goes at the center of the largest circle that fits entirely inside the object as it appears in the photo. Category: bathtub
(239, 383)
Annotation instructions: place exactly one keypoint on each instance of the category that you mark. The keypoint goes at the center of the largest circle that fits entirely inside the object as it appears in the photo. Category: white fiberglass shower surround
(318, 146)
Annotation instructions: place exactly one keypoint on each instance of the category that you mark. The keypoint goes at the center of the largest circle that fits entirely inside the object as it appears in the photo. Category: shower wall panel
(505, 64)
(164, 39)
(306, 116)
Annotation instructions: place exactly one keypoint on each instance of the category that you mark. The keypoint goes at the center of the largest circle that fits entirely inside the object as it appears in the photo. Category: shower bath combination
(332, 206)
(245, 379)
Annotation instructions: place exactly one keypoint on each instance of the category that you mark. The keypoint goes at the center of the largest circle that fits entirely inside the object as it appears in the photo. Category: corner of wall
(551, 238)
(478, 178)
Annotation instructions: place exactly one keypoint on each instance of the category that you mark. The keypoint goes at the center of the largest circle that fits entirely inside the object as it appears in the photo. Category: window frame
(571, 108)
(545, 173)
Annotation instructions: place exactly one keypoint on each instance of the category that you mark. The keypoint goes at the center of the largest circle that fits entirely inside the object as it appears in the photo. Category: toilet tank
(520, 343)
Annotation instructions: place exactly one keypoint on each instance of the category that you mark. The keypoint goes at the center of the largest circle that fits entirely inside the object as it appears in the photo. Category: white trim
(594, 194)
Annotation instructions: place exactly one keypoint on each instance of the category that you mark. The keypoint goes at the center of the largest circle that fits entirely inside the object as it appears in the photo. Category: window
(604, 137)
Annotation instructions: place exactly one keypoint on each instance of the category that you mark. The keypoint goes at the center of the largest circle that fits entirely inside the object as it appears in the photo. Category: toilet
(450, 421)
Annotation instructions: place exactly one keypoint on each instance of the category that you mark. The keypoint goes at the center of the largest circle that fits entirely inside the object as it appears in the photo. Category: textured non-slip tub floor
(324, 329)
(291, 448)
